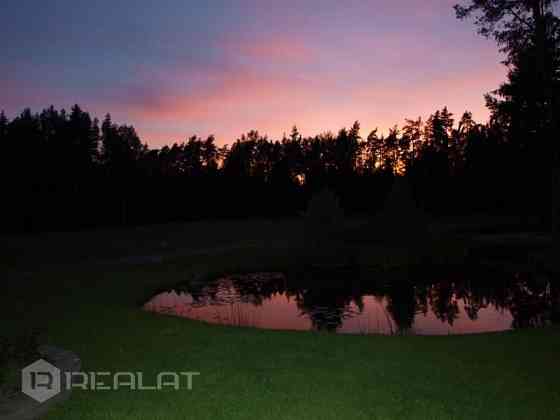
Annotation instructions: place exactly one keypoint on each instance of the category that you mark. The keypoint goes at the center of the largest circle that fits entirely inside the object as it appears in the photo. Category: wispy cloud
(225, 67)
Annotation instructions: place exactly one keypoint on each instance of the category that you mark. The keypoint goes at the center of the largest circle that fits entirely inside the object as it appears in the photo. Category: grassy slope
(246, 373)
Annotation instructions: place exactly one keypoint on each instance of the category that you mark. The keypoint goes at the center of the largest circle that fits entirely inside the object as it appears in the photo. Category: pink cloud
(242, 100)
(378, 81)
(273, 49)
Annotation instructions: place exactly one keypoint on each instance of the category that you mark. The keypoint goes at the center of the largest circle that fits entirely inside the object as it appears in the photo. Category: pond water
(434, 302)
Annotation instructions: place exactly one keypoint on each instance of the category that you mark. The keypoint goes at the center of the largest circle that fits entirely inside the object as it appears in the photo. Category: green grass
(10, 382)
(93, 310)
(16, 351)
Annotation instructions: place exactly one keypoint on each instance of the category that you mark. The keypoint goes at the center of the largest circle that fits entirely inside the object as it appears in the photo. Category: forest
(66, 170)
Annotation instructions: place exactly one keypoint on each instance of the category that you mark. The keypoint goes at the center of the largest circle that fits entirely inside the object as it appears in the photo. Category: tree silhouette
(83, 174)
(372, 152)
(527, 105)
(412, 130)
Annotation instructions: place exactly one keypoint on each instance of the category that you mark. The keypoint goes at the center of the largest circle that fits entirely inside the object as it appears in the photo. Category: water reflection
(354, 301)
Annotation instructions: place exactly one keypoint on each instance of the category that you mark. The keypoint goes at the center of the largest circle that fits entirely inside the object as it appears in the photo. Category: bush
(15, 354)
(401, 219)
(324, 214)
(323, 225)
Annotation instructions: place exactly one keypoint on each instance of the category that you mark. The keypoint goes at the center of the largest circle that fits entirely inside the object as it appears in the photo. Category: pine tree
(528, 104)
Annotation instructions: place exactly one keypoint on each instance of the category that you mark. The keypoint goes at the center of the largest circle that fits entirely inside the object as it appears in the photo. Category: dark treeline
(66, 170)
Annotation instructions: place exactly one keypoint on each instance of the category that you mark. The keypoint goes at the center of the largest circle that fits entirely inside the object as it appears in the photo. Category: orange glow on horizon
(243, 102)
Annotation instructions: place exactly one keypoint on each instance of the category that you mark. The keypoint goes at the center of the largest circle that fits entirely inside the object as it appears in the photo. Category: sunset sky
(174, 68)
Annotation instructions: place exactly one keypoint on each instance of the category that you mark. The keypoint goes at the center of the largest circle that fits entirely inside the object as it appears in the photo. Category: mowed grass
(94, 310)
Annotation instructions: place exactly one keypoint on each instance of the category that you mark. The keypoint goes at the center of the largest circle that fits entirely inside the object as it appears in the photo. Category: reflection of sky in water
(281, 311)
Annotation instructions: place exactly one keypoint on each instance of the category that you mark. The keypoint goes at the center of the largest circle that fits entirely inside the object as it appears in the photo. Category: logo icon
(40, 381)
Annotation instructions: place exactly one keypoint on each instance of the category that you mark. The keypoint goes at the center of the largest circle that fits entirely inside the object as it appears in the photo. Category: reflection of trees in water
(402, 304)
(530, 299)
(327, 311)
(534, 302)
(444, 302)
(239, 288)
(329, 298)
(472, 302)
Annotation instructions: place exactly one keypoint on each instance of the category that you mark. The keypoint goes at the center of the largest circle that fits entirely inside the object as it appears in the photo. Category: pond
(431, 301)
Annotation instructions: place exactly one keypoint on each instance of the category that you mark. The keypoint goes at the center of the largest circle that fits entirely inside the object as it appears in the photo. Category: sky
(176, 68)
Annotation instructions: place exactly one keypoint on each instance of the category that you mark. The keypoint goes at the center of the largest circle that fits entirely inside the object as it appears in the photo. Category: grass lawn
(91, 306)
